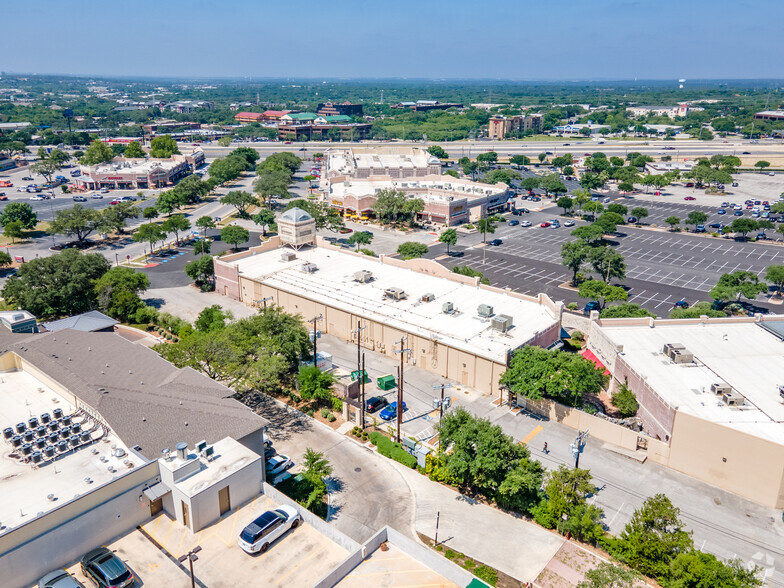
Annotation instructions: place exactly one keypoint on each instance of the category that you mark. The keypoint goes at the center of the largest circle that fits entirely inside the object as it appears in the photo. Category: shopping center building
(141, 173)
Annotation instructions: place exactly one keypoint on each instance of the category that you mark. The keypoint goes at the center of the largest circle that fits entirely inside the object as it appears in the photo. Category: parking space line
(538, 429)
(300, 564)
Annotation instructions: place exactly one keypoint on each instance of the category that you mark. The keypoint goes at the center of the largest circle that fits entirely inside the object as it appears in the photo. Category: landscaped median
(392, 450)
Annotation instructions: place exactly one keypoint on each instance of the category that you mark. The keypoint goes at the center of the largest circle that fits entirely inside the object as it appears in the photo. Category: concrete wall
(243, 484)
(741, 463)
(574, 321)
(68, 532)
(656, 414)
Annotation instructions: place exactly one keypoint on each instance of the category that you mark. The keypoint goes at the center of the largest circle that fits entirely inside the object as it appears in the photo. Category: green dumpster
(365, 377)
(386, 382)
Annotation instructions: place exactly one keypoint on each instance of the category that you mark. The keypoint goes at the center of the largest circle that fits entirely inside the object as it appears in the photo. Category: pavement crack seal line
(173, 559)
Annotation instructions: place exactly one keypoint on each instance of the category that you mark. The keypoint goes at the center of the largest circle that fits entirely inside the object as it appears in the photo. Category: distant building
(500, 126)
(425, 105)
(671, 111)
(770, 115)
(577, 128)
(364, 162)
(344, 108)
(660, 167)
(298, 118)
(135, 174)
(249, 117)
(163, 127)
(332, 119)
(185, 106)
(12, 127)
(274, 115)
(316, 131)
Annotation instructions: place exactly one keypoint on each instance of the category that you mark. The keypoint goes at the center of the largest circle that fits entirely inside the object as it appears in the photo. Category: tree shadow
(286, 421)
(154, 302)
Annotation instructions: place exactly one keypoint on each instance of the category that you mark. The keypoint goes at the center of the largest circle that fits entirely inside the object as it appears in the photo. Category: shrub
(469, 226)
(364, 435)
(450, 554)
(572, 306)
(469, 564)
(337, 404)
(392, 450)
(368, 252)
(331, 418)
(486, 574)
(625, 401)
(310, 412)
(324, 412)
(578, 336)
(294, 398)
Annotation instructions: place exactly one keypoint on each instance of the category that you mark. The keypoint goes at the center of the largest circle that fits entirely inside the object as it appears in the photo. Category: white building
(364, 162)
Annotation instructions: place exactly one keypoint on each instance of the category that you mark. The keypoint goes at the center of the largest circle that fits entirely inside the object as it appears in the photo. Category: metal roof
(87, 322)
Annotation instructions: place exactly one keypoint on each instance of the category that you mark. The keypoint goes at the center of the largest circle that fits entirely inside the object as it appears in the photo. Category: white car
(569, 223)
(104, 190)
(277, 464)
(262, 531)
(525, 224)
(96, 195)
(37, 197)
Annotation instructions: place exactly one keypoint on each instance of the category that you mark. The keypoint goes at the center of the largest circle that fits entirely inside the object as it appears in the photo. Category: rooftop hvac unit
(668, 347)
(288, 256)
(484, 310)
(501, 322)
(309, 267)
(719, 389)
(363, 276)
(395, 293)
(17, 317)
(448, 308)
(429, 297)
(733, 399)
(682, 356)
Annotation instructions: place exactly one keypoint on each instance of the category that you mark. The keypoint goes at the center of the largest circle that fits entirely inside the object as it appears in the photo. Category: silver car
(59, 579)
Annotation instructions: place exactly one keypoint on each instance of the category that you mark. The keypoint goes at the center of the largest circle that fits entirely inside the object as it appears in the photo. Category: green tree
(625, 401)
(266, 219)
(589, 234)
(315, 384)
(150, 213)
(449, 237)
(591, 181)
(115, 216)
(485, 225)
(168, 202)
(411, 250)
(240, 200)
(389, 206)
(541, 157)
(625, 310)
(57, 285)
(608, 575)
(5, 259)
(134, 151)
(250, 155)
(640, 212)
(465, 270)
(360, 238)
(552, 184)
(762, 164)
(737, 284)
(234, 235)
(49, 163)
(204, 223)
(438, 151)
(673, 221)
(163, 147)
(202, 247)
(775, 275)
(520, 160)
(452, 173)
(96, 153)
(316, 465)
(608, 263)
(76, 221)
(19, 211)
(695, 569)
(619, 209)
(175, 224)
(609, 222)
(573, 255)
(566, 203)
(743, 226)
(625, 186)
(212, 318)
(149, 233)
(592, 207)
(14, 230)
(226, 169)
(201, 271)
(530, 184)
(601, 292)
(565, 489)
(696, 217)
(654, 537)
(118, 292)
(696, 311)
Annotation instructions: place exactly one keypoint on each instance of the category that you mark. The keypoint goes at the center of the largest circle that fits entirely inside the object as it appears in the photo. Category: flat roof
(456, 187)
(347, 161)
(25, 489)
(333, 284)
(741, 354)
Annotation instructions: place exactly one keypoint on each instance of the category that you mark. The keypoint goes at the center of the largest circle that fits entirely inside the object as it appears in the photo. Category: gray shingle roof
(88, 321)
(145, 399)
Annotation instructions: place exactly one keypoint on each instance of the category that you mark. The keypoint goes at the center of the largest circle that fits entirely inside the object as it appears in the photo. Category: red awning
(589, 355)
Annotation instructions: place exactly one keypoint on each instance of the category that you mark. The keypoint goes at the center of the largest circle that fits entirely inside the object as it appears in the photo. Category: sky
(432, 39)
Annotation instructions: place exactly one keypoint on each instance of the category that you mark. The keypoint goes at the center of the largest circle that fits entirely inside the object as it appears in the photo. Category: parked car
(346, 230)
(700, 229)
(514, 222)
(106, 570)
(690, 198)
(59, 579)
(390, 411)
(523, 210)
(738, 213)
(734, 184)
(771, 173)
(278, 463)
(526, 224)
(725, 204)
(544, 225)
(375, 403)
(37, 197)
(569, 223)
(269, 452)
(27, 179)
(265, 529)
(721, 211)
(681, 304)
(128, 199)
(716, 225)
(762, 236)
(631, 220)
(515, 212)
(496, 242)
(592, 305)
(115, 201)
(104, 190)
(689, 184)
(79, 198)
(3, 196)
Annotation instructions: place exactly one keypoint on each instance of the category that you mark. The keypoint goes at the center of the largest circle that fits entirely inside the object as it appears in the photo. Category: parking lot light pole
(191, 557)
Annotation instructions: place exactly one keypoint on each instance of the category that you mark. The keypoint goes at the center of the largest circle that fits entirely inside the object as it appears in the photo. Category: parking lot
(392, 568)
(296, 559)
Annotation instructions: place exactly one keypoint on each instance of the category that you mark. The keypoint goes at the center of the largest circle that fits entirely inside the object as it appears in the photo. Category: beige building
(364, 162)
(500, 126)
(131, 174)
(454, 326)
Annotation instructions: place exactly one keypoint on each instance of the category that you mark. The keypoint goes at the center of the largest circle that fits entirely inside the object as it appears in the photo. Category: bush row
(392, 450)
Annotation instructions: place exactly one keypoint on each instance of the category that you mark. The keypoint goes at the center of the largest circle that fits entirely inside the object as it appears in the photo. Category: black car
(716, 225)
(681, 304)
(516, 212)
(496, 242)
(631, 220)
(375, 403)
(106, 570)
(514, 222)
(523, 210)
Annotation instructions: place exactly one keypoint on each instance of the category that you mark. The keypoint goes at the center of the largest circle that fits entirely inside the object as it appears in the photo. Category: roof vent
(448, 308)
(182, 450)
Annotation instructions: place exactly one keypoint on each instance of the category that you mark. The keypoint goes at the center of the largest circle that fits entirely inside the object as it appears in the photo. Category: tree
(202, 247)
(696, 311)
(553, 185)
(625, 187)
(325, 216)
(360, 238)
(411, 250)
(591, 181)
(389, 206)
(250, 155)
(234, 235)
(452, 173)
(625, 310)
(488, 157)
(315, 384)
(316, 465)
(191, 190)
(625, 401)
(212, 318)
(240, 200)
(609, 222)
(49, 163)
(449, 237)
(134, 151)
(654, 537)
(485, 225)
(775, 275)
(14, 230)
(19, 211)
(266, 219)
(61, 284)
(566, 203)
(541, 157)
(118, 292)
(76, 221)
(593, 207)
(201, 271)
(737, 284)
(618, 209)
(607, 263)
(96, 153)
(226, 169)
(530, 184)
(5, 259)
(695, 569)
(168, 202)
(520, 160)
(743, 226)
(204, 223)
(150, 213)
(535, 373)
(640, 212)
(608, 575)
(115, 216)
(589, 234)
(673, 221)
(163, 147)
(438, 151)
(762, 164)
(465, 270)
(174, 224)
(573, 255)
(696, 217)
(601, 292)
(764, 224)
(566, 489)
(501, 175)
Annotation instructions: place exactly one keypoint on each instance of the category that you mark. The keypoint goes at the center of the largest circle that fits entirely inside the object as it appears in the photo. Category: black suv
(375, 403)
(106, 570)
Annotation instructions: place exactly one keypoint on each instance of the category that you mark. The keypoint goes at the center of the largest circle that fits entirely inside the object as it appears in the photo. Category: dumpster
(365, 377)
(386, 382)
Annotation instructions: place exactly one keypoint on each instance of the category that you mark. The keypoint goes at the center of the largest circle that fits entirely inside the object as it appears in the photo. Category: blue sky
(504, 39)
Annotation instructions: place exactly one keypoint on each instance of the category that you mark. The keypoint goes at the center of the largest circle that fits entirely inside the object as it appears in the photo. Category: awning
(156, 491)
(588, 354)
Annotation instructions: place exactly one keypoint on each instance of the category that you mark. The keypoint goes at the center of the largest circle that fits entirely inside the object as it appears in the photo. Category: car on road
(771, 173)
(681, 304)
(390, 411)
(668, 148)
(128, 199)
(37, 197)
(738, 213)
(689, 184)
(734, 184)
(277, 464)
(346, 230)
(690, 198)
(106, 570)
(79, 198)
(721, 211)
(745, 153)
(375, 403)
(496, 242)
(3, 196)
(97, 195)
(523, 210)
(544, 225)
(606, 200)
(592, 305)
(526, 224)
(265, 529)
(59, 579)
(115, 201)
(514, 222)
(569, 223)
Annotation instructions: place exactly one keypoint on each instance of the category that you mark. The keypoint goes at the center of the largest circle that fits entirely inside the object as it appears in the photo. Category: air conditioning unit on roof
(484, 310)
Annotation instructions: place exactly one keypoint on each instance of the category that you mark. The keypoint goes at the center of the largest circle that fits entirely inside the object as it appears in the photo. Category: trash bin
(386, 382)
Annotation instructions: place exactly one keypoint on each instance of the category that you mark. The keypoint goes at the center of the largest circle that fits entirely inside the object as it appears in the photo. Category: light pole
(399, 411)
(191, 557)
(441, 405)
(314, 320)
(578, 446)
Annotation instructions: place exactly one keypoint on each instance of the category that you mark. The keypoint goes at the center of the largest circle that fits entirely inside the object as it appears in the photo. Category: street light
(191, 557)
(578, 446)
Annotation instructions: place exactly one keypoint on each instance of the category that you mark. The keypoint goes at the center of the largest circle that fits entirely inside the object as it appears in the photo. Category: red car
(690, 198)
(544, 225)
(346, 230)
(115, 201)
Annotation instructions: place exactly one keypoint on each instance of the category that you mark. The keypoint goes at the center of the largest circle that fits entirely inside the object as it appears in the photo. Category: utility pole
(578, 446)
(314, 320)
(191, 557)
(441, 405)
(264, 301)
(362, 388)
(360, 372)
(399, 410)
